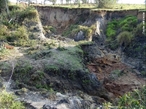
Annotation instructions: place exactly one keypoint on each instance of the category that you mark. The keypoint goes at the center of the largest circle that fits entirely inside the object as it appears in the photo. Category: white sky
(120, 1)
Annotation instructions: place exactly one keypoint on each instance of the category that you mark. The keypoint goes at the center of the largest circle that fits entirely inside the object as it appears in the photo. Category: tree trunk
(7, 8)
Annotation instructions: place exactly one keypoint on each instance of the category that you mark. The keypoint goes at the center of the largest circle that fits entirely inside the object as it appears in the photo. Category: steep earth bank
(60, 73)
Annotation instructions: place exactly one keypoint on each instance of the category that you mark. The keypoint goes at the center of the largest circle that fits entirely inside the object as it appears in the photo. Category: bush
(110, 33)
(138, 31)
(74, 29)
(20, 34)
(111, 29)
(4, 32)
(29, 13)
(133, 100)
(128, 23)
(7, 101)
(124, 38)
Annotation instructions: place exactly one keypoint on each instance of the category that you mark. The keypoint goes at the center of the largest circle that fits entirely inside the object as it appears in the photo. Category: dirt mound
(116, 77)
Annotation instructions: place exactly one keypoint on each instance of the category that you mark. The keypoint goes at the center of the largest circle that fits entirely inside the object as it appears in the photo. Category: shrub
(133, 100)
(110, 32)
(20, 34)
(124, 38)
(50, 28)
(7, 101)
(88, 33)
(128, 23)
(111, 29)
(138, 31)
(74, 29)
(3, 32)
(29, 13)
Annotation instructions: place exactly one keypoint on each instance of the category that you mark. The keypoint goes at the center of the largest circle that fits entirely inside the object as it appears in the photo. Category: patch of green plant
(22, 70)
(53, 68)
(133, 100)
(143, 73)
(138, 31)
(125, 26)
(5, 68)
(4, 32)
(116, 73)
(29, 13)
(69, 58)
(40, 85)
(8, 101)
(86, 81)
(128, 23)
(125, 38)
(20, 34)
(71, 30)
(74, 29)
(3, 52)
(50, 28)
(111, 29)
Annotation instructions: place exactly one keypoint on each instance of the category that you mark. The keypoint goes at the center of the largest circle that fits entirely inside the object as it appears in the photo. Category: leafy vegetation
(17, 30)
(120, 31)
(124, 38)
(74, 29)
(8, 101)
(131, 100)
(136, 99)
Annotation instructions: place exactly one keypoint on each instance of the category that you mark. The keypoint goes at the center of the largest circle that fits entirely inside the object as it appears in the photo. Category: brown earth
(116, 77)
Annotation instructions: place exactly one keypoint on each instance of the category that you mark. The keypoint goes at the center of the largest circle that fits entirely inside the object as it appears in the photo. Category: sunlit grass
(95, 6)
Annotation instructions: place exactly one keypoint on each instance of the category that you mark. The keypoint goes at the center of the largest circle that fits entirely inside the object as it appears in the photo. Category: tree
(106, 3)
(53, 1)
(68, 1)
(85, 1)
(4, 6)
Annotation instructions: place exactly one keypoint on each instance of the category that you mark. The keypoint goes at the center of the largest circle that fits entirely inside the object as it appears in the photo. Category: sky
(120, 1)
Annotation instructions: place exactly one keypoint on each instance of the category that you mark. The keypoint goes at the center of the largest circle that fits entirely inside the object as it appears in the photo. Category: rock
(1, 85)
(63, 101)
(60, 95)
(80, 36)
(48, 107)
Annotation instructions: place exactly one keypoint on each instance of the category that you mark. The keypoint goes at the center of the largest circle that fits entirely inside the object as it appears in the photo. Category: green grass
(74, 29)
(94, 6)
(121, 31)
(69, 58)
(8, 101)
(131, 100)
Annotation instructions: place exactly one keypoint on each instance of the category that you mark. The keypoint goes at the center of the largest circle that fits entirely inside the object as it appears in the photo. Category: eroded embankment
(61, 18)
(59, 65)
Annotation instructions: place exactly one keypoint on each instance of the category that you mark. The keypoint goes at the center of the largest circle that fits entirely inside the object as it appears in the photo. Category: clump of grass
(74, 29)
(111, 29)
(125, 38)
(135, 99)
(50, 28)
(21, 33)
(4, 32)
(131, 100)
(3, 52)
(29, 13)
(8, 101)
